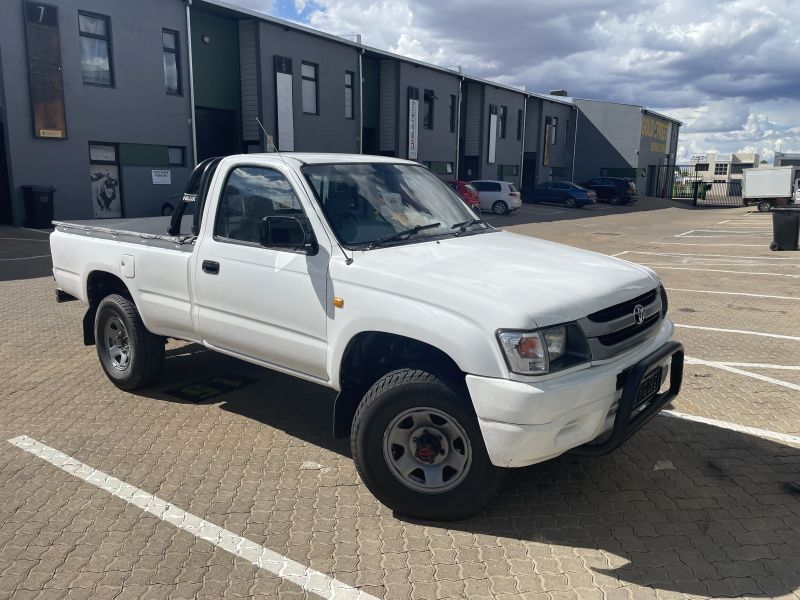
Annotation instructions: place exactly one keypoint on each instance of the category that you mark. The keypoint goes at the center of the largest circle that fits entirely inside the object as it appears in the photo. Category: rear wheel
(500, 207)
(131, 356)
(616, 200)
(418, 447)
(570, 202)
(764, 206)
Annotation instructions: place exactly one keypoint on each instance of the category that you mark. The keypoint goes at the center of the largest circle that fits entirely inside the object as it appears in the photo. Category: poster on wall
(284, 103)
(413, 128)
(105, 191)
(548, 132)
(43, 45)
(492, 138)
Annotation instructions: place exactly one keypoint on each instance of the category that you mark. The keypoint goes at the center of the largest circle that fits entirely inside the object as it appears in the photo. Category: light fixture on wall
(206, 39)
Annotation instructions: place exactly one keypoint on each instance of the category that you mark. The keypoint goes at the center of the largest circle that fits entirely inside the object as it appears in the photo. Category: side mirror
(286, 231)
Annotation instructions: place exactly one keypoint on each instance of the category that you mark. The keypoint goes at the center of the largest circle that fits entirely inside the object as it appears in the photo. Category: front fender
(459, 336)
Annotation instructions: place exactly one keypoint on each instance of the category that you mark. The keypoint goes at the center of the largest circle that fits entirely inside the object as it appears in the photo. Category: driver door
(259, 302)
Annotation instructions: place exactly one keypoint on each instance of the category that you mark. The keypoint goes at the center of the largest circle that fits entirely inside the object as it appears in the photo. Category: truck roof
(317, 158)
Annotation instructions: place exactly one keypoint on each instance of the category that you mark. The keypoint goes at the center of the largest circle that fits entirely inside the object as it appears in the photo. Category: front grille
(622, 309)
(612, 339)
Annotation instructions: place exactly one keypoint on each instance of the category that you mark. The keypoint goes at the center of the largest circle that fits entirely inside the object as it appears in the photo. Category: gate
(688, 182)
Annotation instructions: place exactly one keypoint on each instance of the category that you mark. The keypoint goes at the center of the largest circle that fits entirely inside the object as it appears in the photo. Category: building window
(349, 77)
(721, 169)
(172, 61)
(554, 130)
(309, 72)
(104, 180)
(453, 107)
(439, 167)
(95, 34)
(177, 156)
(701, 167)
(520, 118)
(504, 171)
(427, 116)
(502, 117)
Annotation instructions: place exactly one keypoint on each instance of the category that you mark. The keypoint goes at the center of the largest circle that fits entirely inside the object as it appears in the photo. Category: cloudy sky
(729, 69)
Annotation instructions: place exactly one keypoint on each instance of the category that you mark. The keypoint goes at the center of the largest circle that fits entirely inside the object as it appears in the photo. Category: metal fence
(688, 182)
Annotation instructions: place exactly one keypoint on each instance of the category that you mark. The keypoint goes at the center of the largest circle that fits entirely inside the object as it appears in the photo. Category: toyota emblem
(638, 314)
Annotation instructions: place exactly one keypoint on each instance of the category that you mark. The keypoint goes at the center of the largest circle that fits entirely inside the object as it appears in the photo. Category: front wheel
(131, 356)
(764, 206)
(499, 208)
(570, 203)
(417, 446)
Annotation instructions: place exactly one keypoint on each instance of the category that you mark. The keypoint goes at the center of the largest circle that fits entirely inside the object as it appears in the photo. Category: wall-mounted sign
(699, 158)
(655, 128)
(46, 85)
(284, 103)
(413, 128)
(161, 176)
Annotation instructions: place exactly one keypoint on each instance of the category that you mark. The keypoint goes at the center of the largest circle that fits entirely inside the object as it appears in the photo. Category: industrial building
(111, 104)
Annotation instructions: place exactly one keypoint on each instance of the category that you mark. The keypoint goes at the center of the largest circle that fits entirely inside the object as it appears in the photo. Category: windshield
(369, 203)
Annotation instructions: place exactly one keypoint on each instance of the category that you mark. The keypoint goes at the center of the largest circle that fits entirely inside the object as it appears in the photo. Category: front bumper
(592, 411)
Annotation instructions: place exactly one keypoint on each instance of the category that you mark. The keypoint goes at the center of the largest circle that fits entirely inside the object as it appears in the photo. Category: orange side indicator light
(338, 302)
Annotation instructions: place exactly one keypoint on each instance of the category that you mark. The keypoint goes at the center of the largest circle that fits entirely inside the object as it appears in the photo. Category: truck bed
(151, 231)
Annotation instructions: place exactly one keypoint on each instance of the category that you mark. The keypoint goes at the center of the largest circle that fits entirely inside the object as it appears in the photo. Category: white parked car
(500, 197)
(457, 349)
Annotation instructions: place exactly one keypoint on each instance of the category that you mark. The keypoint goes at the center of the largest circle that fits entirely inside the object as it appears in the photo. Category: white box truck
(771, 186)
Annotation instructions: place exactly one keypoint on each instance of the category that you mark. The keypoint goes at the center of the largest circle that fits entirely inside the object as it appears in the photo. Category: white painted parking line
(701, 244)
(760, 366)
(755, 431)
(25, 240)
(26, 257)
(718, 270)
(257, 555)
(734, 294)
(777, 336)
(712, 255)
(690, 360)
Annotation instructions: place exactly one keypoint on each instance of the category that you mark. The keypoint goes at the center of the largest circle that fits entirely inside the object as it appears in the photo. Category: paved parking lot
(181, 493)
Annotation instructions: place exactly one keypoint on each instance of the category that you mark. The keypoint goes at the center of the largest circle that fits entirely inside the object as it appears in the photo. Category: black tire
(571, 202)
(764, 206)
(142, 364)
(500, 208)
(616, 200)
(774, 247)
(406, 390)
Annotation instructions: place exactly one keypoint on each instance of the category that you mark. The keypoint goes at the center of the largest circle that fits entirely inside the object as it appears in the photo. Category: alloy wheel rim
(117, 344)
(427, 450)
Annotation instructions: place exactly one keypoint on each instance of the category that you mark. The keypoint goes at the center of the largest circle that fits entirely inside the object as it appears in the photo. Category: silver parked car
(500, 197)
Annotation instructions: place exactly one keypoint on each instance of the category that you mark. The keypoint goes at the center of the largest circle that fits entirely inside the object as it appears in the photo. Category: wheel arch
(100, 284)
(369, 355)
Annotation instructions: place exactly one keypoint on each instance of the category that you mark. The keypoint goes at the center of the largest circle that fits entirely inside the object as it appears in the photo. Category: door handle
(211, 267)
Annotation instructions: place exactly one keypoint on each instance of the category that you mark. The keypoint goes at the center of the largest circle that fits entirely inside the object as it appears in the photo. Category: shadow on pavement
(24, 254)
(683, 506)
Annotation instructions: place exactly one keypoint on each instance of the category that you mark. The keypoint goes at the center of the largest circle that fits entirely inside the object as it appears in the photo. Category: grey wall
(561, 152)
(329, 131)
(136, 110)
(509, 150)
(437, 144)
(609, 136)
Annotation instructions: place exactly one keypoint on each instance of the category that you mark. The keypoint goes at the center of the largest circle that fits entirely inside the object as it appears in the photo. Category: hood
(503, 279)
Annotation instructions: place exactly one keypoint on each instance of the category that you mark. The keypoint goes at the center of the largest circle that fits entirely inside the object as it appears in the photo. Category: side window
(478, 185)
(493, 187)
(250, 194)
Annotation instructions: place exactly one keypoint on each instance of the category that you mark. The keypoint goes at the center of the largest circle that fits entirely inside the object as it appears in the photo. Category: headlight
(545, 350)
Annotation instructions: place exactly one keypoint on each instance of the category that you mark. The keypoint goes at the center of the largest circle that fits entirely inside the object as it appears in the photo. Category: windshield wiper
(462, 227)
(406, 232)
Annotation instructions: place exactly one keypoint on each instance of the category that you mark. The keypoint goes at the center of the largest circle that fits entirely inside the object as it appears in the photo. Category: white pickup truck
(457, 349)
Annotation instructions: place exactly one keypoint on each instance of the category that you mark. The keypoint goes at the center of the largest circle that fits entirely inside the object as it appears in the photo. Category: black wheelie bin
(785, 228)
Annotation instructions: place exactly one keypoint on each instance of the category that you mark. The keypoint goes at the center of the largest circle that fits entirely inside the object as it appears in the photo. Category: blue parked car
(567, 193)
